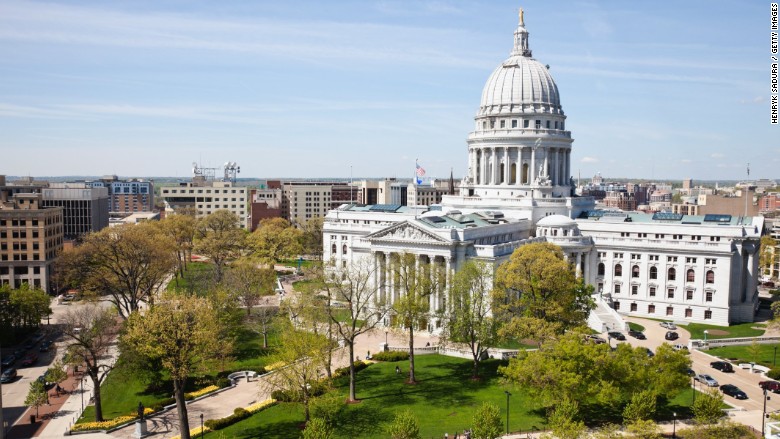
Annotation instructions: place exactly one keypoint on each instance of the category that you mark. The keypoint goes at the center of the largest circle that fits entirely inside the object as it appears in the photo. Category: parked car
(690, 372)
(639, 335)
(650, 353)
(734, 391)
(595, 339)
(46, 385)
(617, 335)
(706, 380)
(671, 335)
(9, 360)
(680, 347)
(45, 346)
(668, 325)
(722, 366)
(29, 360)
(8, 375)
(772, 386)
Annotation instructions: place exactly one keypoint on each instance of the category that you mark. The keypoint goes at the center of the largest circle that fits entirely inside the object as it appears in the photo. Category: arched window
(501, 176)
(635, 271)
(690, 275)
(525, 173)
(601, 269)
(672, 274)
(618, 270)
(653, 273)
(333, 249)
(710, 277)
(513, 174)
(344, 249)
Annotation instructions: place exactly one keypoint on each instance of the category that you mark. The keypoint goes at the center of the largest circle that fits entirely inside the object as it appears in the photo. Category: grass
(301, 285)
(444, 401)
(740, 330)
(195, 275)
(515, 344)
(294, 263)
(766, 356)
(636, 327)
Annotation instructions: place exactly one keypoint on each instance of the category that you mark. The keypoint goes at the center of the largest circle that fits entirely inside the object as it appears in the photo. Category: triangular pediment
(406, 232)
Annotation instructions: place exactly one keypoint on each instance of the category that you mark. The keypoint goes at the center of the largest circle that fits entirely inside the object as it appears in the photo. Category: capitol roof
(556, 221)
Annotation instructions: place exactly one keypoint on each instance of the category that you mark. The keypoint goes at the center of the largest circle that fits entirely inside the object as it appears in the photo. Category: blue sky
(307, 89)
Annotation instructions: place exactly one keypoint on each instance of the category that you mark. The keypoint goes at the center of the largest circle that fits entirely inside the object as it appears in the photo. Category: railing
(717, 342)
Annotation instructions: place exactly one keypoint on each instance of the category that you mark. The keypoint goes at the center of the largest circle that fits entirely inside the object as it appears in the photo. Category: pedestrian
(397, 370)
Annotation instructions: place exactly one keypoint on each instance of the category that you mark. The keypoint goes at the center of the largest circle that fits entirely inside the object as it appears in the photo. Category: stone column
(506, 165)
(447, 279)
(388, 285)
(494, 163)
(568, 165)
(483, 166)
(377, 279)
(579, 264)
(532, 177)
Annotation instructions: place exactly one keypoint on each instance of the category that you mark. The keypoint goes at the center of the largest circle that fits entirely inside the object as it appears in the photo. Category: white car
(706, 380)
(680, 347)
(668, 325)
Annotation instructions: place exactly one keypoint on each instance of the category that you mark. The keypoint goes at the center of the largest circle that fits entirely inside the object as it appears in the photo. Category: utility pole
(2, 421)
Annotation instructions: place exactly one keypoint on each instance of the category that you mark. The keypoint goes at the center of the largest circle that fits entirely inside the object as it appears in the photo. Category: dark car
(639, 335)
(734, 391)
(671, 335)
(46, 385)
(722, 366)
(595, 339)
(690, 372)
(772, 386)
(9, 361)
(29, 360)
(617, 335)
(45, 346)
(8, 375)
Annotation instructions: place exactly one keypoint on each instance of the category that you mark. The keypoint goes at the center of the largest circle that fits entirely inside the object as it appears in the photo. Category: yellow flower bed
(194, 432)
(111, 423)
(201, 392)
(254, 408)
(276, 365)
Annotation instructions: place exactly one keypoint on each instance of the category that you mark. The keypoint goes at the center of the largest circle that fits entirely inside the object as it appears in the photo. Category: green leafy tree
(219, 237)
(312, 237)
(767, 255)
(487, 422)
(317, 428)
(327, 407)
(538, 284)
(56, 374)
(644, 429)
(180, 332)
(417, 282)
(36, 396)
(470, 320)
(641, 407)
(275, 239)
(128, 264)
(404, 426)
(180, 228)
(89, 331)
(564, 420)
(302, 353)
(31, 304)
(754, 351)
(708, 407)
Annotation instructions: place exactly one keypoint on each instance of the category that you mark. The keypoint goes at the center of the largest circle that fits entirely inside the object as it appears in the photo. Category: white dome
(520, 84)
(556, 221)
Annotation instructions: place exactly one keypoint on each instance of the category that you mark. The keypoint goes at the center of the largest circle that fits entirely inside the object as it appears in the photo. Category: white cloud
(589, 160)
(717, 155)
(686, 161)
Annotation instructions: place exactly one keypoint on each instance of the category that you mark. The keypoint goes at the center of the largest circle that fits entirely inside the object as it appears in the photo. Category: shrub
(201, 392)
(344, 371)
(773, 374)
(391, 356)
(284, 395)
(262, 405)
(222, 382)
(159, 405)
(239, 414)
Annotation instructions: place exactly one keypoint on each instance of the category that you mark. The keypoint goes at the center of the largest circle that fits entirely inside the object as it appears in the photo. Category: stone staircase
(604, 318)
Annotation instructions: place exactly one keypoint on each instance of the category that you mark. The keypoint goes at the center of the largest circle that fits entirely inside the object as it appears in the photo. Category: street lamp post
(507, 410)
(774, 359)
(763, 416)
(201, 426)
(705, 336)
(386, 345)
(674, 425)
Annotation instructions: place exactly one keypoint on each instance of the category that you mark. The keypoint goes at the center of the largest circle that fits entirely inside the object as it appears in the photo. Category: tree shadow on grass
(362, 420)
(277, 430)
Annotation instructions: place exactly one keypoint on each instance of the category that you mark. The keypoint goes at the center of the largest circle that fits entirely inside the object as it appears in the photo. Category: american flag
(419, 171)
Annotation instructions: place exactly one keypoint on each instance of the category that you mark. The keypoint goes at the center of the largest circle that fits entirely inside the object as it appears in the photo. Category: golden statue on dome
(522, 22)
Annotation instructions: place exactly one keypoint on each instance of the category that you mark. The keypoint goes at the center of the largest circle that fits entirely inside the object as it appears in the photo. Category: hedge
(773, 374)
(239, 414)
(391, 356)
(359, 365)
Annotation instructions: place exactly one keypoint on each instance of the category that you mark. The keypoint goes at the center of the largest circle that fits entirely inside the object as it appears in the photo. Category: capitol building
(518, 190)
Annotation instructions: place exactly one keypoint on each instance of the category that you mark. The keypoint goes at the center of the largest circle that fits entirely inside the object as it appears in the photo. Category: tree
(128, 264)
(644, 429)
(263, 321)
(317, 428)
(404, 426)
(36, 396)
(564, 420)
(275, 239)
(470, 320)
(754, 351)
(180, 332)
(56, 374)
(360, 309)
(302, 353)
(641, 407)
(312, 237)
(218, 237)
(417, 282)
(90, 330)
(250, 283)
(31, 305)
(487, 422)
(180, 227)
(538, 283)
(570, 368)
(766, 259)
(707, 408)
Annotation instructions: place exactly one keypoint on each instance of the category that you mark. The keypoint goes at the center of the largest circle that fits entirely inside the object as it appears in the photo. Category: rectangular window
(652, 291)
(617, 289)
(708, 296)
(688, 312)
(689, 295)
(514, 123)
(538, 124)
(634, 290)
(503, 124)
(651, 309)
(548, 124)
(525, 123)
(633, 307)
(670, 293)
(669, 311)
(616, 305)
(707, 315)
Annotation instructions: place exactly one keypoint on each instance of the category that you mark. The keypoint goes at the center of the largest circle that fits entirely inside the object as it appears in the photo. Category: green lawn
(444, 401)
(740, 330)
(636, 327)
(742, 353)
(196, 274)
(300, 285)
(294, 263)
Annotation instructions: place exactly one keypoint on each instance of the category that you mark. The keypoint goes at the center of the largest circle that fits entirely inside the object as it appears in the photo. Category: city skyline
(315, 90)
